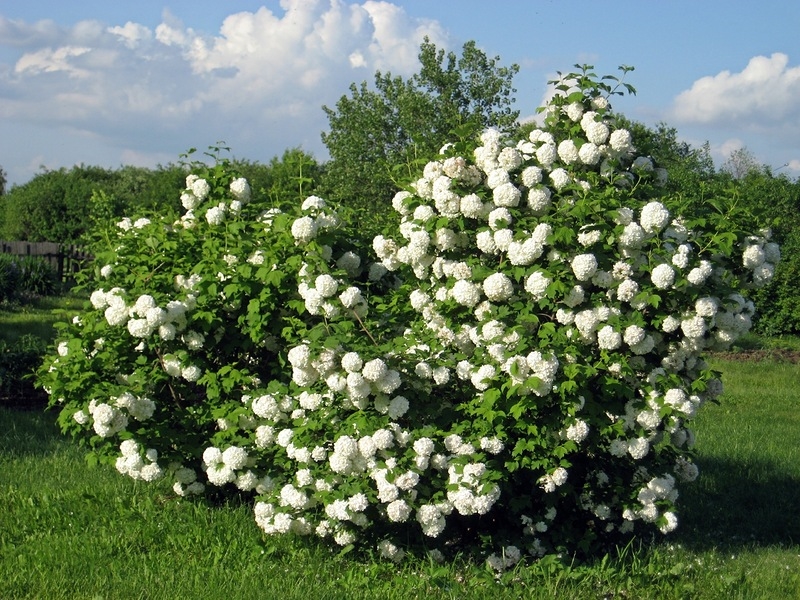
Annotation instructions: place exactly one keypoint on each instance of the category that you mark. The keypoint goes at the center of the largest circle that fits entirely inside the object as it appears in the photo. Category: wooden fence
(66, 259)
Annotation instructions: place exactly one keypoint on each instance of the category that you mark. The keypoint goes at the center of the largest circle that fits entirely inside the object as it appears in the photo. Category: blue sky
(112, 83)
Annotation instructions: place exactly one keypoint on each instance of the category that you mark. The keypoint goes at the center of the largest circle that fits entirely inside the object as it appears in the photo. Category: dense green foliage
(65, 205)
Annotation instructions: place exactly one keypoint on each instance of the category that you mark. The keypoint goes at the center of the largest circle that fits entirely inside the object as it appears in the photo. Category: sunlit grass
(37, 317)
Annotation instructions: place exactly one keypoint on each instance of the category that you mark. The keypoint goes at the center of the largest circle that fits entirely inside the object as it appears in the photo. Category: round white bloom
(374, 370)
(753, 256)
(698, 275)
(546, 155)
(234, 457)
(578, 431)
(663, 276)
(480, 378)
(608, 339)
(397, 407)
(351, 297)
(654, 217)
(215, 215)
(560, 178)
(500, 218)
(638, 448)
(498, 287)
(680, 260)
(441, 375)
(559, 476)
(574, 111)
(484, 240)
(706, 307)
(189, 201)
(398, 511)
(191, 373)
(634, 335)
(575, 296)
(539, 199)
(536, 285)
(670, 324)
(670, 522)
(472, 206)
(466, 293)
(240, 189)
(596, 132)
(694, 327)
(326, 285)
(506, 194)
(503, 239)
(568, 152)
(304, 229)
(621, 141)
(589, 238)
(200, 188)
(627, 290)
(383, 438)
(584, 266)
(530, 176)
(299, 356)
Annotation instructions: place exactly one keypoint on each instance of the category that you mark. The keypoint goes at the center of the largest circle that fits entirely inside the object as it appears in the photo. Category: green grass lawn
(68, 531)
(37, 317)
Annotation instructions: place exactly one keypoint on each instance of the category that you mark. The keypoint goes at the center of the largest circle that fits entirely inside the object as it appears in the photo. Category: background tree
(52, 207)
(377, 130)
(741, 163)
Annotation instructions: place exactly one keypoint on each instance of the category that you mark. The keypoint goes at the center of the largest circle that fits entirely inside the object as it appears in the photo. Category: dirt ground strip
(777, 355)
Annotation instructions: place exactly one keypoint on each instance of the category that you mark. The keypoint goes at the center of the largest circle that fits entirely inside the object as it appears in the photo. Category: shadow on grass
(28, 432)
(734, 505)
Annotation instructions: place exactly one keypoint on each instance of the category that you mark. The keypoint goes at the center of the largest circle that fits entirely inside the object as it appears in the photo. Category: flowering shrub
(516, 366)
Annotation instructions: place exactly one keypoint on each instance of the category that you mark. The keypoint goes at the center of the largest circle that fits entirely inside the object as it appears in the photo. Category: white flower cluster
(760, 256)
(136, 466)
(307, 227)
(231, 465)
(144, 317)
(107, 420)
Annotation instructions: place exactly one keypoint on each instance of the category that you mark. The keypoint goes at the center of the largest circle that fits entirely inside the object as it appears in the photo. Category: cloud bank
(258, 83)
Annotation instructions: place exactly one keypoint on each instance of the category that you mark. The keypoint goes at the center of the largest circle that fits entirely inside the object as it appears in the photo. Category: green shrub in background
(9, 277)
(24, 277)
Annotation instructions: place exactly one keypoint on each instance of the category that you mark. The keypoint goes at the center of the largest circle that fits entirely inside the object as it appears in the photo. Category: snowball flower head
(240, 189)
(498, 287)
(584, 266)
(304, 229)
(654, 217)
(663, 276)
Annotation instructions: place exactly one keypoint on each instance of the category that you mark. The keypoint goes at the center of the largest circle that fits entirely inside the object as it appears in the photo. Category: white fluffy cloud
(765, 92)
(760, 100)
(256, 83)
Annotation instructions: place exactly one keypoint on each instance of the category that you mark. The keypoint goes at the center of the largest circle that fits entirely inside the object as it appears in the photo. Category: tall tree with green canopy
(376, 128)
